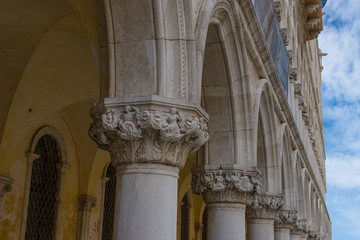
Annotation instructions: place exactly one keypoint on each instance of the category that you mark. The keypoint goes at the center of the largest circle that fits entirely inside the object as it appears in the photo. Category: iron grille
(205, 224)
(109, 204)
(185, 218)
(41, 217)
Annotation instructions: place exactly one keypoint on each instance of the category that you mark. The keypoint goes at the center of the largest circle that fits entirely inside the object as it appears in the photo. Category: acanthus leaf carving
(232, 186)
(264, 206)
(135, 134)
(286, 218)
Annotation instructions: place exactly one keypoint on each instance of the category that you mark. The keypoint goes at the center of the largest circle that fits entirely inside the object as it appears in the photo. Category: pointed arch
(222, 82)
(265, 128)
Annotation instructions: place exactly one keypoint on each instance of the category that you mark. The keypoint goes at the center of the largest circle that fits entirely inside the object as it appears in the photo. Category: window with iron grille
(42, 208)
(205, 221)
(109, 204)
(185, 207)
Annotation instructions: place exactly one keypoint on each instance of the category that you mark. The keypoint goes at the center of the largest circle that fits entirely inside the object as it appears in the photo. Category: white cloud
(343, 171)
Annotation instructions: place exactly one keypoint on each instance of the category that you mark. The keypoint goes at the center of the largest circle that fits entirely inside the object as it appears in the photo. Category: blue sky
(341, 109)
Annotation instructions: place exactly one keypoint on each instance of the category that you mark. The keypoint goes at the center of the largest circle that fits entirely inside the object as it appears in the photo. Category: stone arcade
(205, 120)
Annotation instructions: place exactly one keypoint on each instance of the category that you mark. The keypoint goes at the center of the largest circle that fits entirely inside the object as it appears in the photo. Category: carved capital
(284, 35)
(313, 235)
(311, 8)
(86, 203)
(264, 206)
(297, 90)
(226, 186)
(199, 227)
(293, 75)
(286, 219)
(5, 185)
(277, 9)
(148, 132)
(300, 228)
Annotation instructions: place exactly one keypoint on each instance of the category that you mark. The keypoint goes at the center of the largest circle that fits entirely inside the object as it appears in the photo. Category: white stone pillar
(282, 234)
(261, 214)
(226, 193)
(149, 141)
(261, 229)
(226, 221)
(146, 196)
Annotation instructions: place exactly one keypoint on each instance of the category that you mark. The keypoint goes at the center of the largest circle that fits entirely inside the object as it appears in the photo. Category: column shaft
(146, 202)
(261, 229)
(282, 234)
(226, 221)
(295, 237)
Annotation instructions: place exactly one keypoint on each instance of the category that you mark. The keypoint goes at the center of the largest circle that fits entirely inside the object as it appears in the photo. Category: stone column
(5, 186)
(148, 140)
(284, 222)
(261, 213)
(85, 204)
(226, 193)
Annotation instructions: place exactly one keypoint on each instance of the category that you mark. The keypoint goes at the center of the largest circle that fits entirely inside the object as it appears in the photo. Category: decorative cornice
(86, 203)
(286, 219)
(226, 186)
(264, 206)
(147, 133)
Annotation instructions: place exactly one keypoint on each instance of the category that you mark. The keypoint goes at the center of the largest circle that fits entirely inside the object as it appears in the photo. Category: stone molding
(264, 206)
(286, 219)
(147, 132)
(226, 186)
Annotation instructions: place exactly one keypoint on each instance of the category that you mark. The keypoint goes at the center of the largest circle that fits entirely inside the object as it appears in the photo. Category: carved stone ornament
(286, 219)
(277, 9)
(311, 23)
(226, 186)
(284, 35)
(300, 228)
(313, 235)
(311, 8)
(144, 135)
(297, 90)
(264, 207)
(293, 75)
(5, 185)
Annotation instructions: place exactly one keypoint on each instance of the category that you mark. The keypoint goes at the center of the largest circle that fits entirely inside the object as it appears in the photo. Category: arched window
(185, 208)
(44, 189)
(109, 204)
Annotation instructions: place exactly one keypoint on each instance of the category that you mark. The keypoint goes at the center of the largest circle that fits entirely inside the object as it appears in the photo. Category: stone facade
(184, 99)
